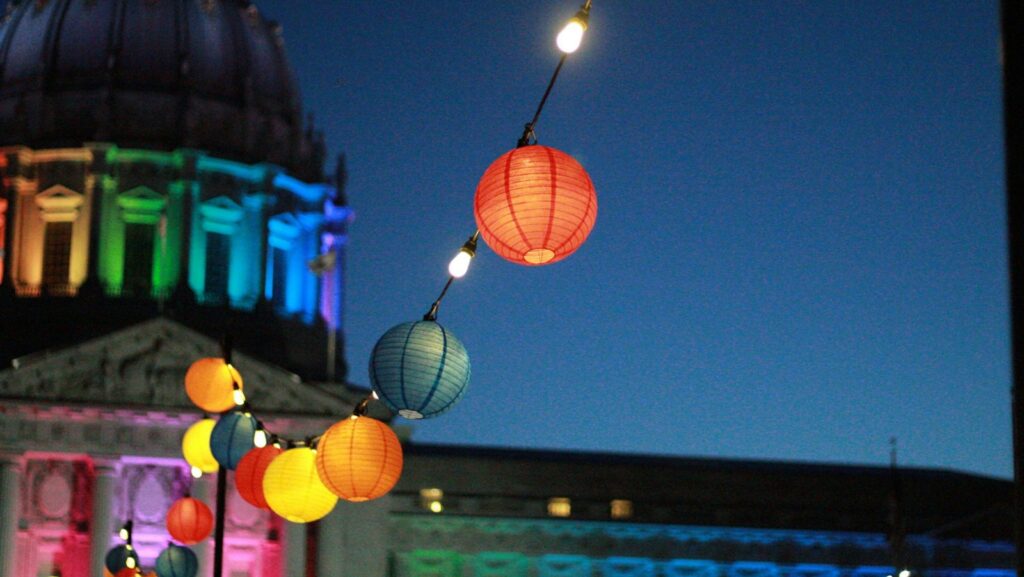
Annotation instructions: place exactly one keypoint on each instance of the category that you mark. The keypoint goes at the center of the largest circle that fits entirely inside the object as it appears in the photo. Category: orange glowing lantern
(211, 384)
(359, 459)
(535, 205)
(249, 474)
(189, 520)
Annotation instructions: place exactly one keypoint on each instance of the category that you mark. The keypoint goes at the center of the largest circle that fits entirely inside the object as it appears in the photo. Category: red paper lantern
(189, 520)
(535, 205)
(249, 474)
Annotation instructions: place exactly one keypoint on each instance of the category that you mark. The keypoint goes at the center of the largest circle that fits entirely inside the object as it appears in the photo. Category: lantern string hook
(529, 131)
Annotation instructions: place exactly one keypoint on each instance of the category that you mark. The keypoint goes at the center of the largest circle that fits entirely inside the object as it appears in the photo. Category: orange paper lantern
(249, 474)
(210, 384)
(359, 459)
(535, 205)
(189, 520)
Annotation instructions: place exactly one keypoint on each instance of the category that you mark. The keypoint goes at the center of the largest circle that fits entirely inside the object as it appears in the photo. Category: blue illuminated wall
(424, 545)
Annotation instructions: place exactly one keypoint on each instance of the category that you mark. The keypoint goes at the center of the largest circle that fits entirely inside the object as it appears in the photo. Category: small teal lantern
(419, 369)
(177, 561)
(232, 437)
(120, 557)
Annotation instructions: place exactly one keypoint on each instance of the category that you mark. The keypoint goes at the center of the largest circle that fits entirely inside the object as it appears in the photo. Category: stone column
(102, 525)
(10, 504)
(353, 539)
(295, 549)
(204, 549)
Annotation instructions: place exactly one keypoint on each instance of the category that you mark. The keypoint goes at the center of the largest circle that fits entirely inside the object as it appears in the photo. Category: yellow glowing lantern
(293, 489)
(212, 383)
(359, 459)
(195, 447)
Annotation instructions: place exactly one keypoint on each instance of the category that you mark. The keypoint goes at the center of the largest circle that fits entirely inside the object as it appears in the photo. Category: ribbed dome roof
(163, 74)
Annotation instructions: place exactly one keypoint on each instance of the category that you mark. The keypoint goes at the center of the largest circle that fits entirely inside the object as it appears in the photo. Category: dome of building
(210, 75)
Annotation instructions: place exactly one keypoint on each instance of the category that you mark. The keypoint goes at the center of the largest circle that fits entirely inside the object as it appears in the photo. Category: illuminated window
(138, 258)
(218, 247)
(621, 509)
(57, 256)
(559, 507)
(430, 499)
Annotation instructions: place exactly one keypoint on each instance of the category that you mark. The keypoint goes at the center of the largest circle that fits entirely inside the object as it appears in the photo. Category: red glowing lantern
(535, 205)
(128, 572)
(189, 520)
(249, 474)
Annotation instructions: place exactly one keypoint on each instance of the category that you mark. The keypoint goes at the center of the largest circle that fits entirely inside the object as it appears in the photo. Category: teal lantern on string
(419, 369)
(177, 561)
(120, 557)
(233, 436)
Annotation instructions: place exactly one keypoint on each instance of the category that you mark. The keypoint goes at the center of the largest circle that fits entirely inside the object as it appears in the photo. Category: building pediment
(144, 366)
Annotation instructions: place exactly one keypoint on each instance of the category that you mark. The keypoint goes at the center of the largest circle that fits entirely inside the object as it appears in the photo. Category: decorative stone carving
(143, 366)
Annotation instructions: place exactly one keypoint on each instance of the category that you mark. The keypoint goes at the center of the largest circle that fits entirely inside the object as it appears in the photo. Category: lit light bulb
(197, 472)
(259, 438)
(436, 506)
(905, 573)
(571, 36)
(460, 264)
(239, 397)
(123, 534)
(130, 562)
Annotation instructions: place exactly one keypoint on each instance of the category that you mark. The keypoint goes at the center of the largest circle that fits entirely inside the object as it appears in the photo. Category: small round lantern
(359, 459)
(250, 472)
(177, 561)
(189, 520)
(210, 383)
(535, 205)
(232, 438)
(293, 489)
(118, 558)
(195, 446)
(419, 369)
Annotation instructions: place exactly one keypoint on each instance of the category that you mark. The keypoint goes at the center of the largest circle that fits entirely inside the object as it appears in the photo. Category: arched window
(59, 207)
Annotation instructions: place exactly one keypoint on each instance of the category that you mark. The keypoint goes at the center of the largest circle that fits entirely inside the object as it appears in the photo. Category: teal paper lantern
(232, 438)
(419, 369)
(177, 561)
(117, 558)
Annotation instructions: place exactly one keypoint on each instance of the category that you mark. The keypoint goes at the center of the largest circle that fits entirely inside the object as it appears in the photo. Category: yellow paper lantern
(293, 489)
(195, 446)
(211, 383)
(359, 459)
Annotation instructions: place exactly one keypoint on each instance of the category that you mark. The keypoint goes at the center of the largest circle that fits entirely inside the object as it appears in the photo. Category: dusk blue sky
(799, 250)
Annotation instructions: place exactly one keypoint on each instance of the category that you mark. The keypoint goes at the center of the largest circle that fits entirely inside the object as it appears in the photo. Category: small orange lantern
(249, 474)
(211, 384)
(359, 459)
(189, 520)
(535, 205)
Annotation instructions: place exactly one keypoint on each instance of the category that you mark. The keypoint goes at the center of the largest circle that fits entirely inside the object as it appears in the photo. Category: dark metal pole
(218, 528)
(1012, 16)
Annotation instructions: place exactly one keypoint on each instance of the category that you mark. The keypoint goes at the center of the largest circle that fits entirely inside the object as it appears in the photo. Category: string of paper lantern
(534, 205)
